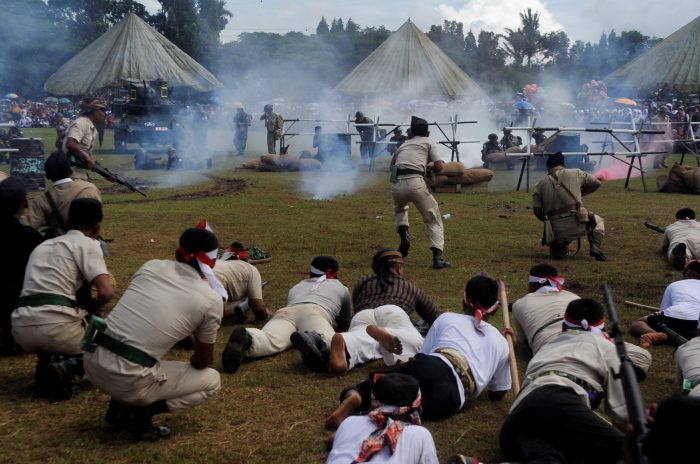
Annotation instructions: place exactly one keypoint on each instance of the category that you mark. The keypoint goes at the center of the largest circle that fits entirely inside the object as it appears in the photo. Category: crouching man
(165, 302)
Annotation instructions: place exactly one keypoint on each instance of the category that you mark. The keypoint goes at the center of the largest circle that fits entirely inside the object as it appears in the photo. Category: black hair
(84, 213)
(13, 194)
(57, 166)
(672, 435)
(685, 213)
(194, 240)
(482, 290)
(325, 263)
(585, 308)
(557, 159)
(543, 270)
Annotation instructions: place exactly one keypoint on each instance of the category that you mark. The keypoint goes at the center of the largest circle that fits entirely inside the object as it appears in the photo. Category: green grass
(273, 409)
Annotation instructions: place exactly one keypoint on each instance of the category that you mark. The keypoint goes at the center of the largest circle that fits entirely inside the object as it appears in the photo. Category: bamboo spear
(643, 306)
(503, 298)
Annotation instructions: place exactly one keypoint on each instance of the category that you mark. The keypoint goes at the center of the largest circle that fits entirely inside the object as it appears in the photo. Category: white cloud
(496, 15)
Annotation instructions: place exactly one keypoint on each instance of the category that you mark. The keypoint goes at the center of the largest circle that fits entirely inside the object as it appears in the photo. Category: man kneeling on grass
(165, 302)
(315, 307)
(462, 355)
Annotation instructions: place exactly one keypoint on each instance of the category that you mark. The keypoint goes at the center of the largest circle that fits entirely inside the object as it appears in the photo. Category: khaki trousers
(414, 190)
(273, 338)
(362, 348)
(567, 227)
(61, 338)
(271, 142)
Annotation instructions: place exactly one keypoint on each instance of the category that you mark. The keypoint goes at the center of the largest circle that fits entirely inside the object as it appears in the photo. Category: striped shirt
(368, 294)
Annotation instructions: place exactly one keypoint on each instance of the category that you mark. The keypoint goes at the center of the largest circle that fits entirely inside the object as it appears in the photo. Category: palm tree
(530, 33)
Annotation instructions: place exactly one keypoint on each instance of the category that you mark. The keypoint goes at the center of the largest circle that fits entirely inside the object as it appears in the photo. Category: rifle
(675, 337)
(630, 386)
(106, 173)
(654, 227)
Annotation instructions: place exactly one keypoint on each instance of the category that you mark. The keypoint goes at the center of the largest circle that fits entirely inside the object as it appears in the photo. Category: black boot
(595, 240)
(314, 351)
(678, 255)
(53, 379)
(237, 344)
(405, 240)
(438, 261)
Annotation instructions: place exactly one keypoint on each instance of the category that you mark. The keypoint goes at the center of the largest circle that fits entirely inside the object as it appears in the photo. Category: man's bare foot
(350, 404)
(386, 339)
(338, 362)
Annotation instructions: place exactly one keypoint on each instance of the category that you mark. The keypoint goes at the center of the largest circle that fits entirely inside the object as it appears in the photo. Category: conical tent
(129, 50)
(408, 63)
(674, 62)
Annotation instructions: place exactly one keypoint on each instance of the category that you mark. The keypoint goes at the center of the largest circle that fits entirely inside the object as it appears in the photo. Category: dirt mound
(222, 186)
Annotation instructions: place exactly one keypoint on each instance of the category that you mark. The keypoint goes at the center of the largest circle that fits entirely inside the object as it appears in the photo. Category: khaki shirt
(165, 302)
(41, 215)
(585, 355)
(688, 361)
(331, 295)
(240, 279)
(550, 195)
(84, 131)
(535, 310)
(683, 231)
(416, 153)
(59, 266)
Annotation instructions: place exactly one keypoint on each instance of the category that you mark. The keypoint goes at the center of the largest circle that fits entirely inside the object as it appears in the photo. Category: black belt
(408, 172)
(594, 395)
(553, 321)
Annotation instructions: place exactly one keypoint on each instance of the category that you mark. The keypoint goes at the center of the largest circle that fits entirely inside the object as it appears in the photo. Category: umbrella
(523, 105)
(626, 101)
(11, 96)
(51, 100)
(64, 101)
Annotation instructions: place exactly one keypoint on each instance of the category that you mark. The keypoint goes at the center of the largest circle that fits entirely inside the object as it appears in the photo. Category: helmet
(268, 107)
(359, 114)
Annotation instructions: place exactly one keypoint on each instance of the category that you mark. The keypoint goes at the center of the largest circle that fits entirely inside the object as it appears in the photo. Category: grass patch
(273, 409)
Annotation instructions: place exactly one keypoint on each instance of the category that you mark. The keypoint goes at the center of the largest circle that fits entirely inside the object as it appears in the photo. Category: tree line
(39, 36)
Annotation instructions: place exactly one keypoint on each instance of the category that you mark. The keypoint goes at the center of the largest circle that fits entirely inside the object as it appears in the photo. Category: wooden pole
(503, 298)
(639, 305)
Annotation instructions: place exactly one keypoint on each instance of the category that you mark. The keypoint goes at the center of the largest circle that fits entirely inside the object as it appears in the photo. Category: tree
(213, 18)
(531, 36)
(337, 27)
(555, 46)
(514, 45)
(351, 27)
(322, 28)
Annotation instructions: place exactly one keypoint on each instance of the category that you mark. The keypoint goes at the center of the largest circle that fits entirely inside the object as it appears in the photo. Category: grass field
(273, 409)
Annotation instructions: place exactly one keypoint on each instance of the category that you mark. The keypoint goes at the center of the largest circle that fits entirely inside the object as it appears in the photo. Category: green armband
(687, 386)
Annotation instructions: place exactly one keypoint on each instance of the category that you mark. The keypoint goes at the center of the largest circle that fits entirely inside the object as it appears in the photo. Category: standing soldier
(409, 167)
(557, 200)
(274, 123)
(81, 135)
(241, 122)
(367, 137)
(662, 120)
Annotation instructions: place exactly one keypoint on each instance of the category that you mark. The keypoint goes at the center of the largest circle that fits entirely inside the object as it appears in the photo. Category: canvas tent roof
(674, 62)
(409, 63)
(129, 50)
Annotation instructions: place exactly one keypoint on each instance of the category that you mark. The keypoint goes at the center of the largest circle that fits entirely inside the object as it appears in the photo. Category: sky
(582, 20)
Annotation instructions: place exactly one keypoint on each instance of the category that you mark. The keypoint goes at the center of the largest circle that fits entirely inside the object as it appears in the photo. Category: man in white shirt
(682, 239)
(552, 417)
(391, 432)
(680, 310)
(462, 356)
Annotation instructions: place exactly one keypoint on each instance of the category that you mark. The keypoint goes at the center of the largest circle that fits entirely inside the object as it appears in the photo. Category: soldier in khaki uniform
(557, 200)
(273, 127)
(81, 135)
(409, 166)
(166, 301)
(48, 320)
(688, 363)
(241, 280)
(682, 239)
(539, 314)
(315, 308)
(552, 419)
(49, 212)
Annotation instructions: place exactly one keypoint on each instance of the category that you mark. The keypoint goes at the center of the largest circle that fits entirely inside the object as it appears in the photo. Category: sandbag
(252, 164)
(682, 179)
(496, 157)
(270, 159)
(691, 177)
(471, 176)
(514, 150)
(453, 168)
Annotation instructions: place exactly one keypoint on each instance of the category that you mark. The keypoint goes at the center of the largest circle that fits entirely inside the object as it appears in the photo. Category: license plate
(161, 129)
